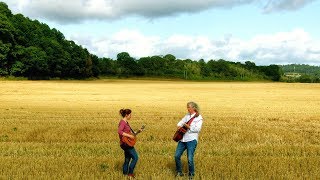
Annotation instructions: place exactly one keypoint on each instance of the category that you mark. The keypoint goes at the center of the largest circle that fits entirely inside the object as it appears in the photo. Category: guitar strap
(190, 120)
(130, 128)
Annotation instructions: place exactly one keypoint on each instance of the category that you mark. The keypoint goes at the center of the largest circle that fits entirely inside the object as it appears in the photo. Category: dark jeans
(130, 154)
(191, 148)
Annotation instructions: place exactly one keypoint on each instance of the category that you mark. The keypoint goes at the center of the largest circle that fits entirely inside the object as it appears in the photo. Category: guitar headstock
(140, 130)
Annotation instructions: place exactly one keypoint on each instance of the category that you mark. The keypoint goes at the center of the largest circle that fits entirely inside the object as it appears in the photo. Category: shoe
(131, 176)
(179, 174)
(191, 177)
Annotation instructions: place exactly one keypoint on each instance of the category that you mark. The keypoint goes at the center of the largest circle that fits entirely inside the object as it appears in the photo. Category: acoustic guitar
(178, 135)
(132, 141)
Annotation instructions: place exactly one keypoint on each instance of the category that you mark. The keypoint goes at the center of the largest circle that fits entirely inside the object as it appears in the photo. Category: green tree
(170, 57)
(95, 66)
(4, 51)
(250, 65)
(6, 39)
(107, 66)
(88, 67)
(272, 71)
(205, 70)
(6, 29)
(4, 10)
(305, 79)
(128, 65)
(35, 64)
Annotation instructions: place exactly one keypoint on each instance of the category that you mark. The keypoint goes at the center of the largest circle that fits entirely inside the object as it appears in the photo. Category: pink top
(123, 127)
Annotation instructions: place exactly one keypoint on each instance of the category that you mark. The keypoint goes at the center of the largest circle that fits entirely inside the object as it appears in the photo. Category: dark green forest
(31, 49)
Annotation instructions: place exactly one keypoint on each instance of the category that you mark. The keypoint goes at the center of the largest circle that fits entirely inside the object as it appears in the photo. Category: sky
(262, 31)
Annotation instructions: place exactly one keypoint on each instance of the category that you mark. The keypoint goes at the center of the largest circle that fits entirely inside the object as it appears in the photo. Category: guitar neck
(139, 131)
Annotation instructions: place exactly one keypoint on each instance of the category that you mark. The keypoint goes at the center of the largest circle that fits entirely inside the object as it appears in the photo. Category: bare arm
(128, 135)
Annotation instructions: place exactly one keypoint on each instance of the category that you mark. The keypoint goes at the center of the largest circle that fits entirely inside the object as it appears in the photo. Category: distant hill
(301, 68)
(301, 73)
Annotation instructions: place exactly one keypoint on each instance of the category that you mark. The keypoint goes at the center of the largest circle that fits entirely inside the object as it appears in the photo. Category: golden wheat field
(68, 129)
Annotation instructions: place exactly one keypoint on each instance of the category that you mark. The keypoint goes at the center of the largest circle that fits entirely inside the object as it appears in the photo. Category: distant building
(292, 75)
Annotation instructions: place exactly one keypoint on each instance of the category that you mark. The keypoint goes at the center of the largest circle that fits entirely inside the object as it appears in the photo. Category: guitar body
(178, 135)
(129, 141)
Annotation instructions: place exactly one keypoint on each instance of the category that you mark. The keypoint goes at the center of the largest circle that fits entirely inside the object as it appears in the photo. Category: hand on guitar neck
(140, 130)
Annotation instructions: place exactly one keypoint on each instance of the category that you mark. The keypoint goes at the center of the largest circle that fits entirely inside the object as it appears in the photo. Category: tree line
(29, 48)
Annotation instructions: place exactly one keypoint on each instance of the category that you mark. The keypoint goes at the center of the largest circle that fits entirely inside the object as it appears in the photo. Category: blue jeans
(191, 148)
(130, 154)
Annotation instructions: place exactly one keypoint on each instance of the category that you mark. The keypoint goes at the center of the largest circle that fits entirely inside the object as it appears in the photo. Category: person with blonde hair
(192, 121)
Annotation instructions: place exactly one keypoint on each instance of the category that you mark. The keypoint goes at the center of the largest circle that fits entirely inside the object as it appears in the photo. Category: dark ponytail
(124, 112)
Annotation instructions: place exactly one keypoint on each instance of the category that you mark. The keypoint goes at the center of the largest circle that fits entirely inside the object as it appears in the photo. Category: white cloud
(130, 41)
(67, 11)
(281, 48)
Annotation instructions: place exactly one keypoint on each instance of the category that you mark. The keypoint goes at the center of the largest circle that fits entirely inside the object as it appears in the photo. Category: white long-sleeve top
(195, 127)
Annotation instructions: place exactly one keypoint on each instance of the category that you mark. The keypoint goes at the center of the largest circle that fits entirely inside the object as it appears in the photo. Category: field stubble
(68, 129)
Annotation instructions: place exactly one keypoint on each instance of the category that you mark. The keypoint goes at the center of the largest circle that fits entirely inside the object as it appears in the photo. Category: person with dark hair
(130, 154)
(193, 122)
